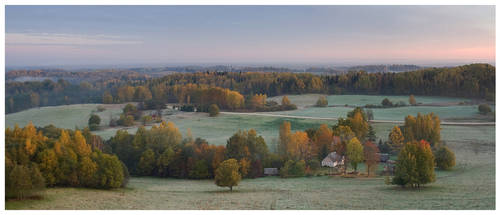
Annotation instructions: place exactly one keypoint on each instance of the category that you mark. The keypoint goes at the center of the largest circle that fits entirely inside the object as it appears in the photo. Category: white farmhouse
(333, 160)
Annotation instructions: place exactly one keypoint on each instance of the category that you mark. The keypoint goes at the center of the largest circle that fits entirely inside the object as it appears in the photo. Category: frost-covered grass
(361, 100)
(306, 108)
(448, 112)
(218, 129)
(467, 187)
(64, 116)
(471, 185)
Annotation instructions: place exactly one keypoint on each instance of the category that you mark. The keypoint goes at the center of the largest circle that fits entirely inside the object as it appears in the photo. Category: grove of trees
(36, 158)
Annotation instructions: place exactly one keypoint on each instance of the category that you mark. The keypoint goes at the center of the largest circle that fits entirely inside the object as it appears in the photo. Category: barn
(271, 171)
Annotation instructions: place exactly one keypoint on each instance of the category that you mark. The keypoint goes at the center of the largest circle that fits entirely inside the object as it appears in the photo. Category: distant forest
(206, 86)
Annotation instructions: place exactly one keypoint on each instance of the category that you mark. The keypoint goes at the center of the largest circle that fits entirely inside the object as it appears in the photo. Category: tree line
(472, 81)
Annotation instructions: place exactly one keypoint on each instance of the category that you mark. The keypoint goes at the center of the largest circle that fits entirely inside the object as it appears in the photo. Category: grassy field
(471, 185)
(217, 130)
(361, 100)
(448, 112)
(64, 116)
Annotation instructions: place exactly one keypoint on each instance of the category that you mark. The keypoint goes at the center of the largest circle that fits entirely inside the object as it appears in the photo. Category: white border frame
(228, 2)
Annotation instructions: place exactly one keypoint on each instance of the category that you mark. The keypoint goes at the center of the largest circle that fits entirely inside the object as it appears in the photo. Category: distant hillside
(385, 68)
(143, 73)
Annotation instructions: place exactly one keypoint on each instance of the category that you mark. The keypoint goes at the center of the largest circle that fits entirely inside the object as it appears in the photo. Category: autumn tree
(227, 174)
(23, 181)
(81, 147)
(87, 169)
(142, 94)
(234, 100)
(359, 125)
(396, 138)
(257, 101)
(412, 100)
(299, 147)
(125, 94)
(284, 138)
(344, 134)
(146, 162)
(244, 166)
(48, 163)
(164, 160)
(423, 127)
(109, 173)
(323, 140)
(371, 156)
(285, 101)
(107, 98)
(354, 153)
(415, 165)
(237, 147)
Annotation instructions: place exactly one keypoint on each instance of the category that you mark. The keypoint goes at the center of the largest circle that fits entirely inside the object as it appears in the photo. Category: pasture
(470, 185)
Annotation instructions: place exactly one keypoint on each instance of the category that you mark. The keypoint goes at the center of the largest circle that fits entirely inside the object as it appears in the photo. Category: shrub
(100, 108)
(322, 102)
(125, 120)
(387, 103)
(94, 122)
(484, 109)
(445, 158)
(213, 110)
(187, 108)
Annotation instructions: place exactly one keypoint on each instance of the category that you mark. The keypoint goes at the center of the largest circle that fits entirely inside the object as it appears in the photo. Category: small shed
(333, 160)
(271, 171)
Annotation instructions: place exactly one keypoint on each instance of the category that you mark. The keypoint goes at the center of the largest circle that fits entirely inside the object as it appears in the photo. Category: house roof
(334, 156)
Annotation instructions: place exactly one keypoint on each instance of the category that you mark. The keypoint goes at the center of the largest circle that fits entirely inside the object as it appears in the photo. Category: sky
(348, 35)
